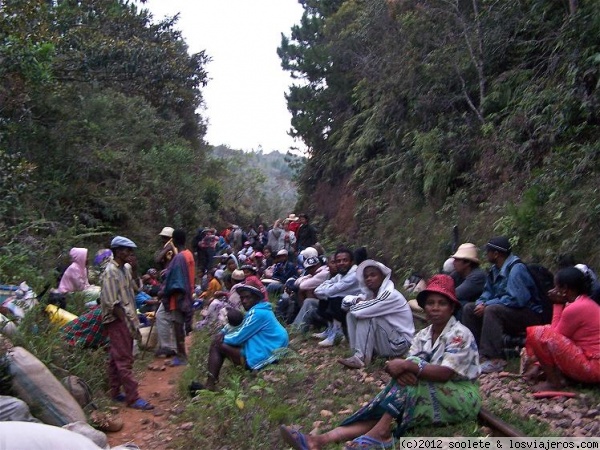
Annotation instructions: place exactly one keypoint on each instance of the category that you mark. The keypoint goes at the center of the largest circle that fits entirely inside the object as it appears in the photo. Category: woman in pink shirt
(570, 346)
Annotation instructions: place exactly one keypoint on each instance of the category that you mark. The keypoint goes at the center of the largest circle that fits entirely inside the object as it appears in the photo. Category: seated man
(509, 304)
(315, 273)
(331, 292)
(468, 278)
(253, 343)
(379, 319)
(283, 271)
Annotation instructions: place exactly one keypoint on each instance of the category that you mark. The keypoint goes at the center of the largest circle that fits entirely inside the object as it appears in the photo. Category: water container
(59, 316)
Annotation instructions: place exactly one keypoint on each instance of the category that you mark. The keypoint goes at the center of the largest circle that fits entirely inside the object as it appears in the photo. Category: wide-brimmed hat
(292, 218)
(121, 241)
(166, 232)
(441, 284)
(250, 287)
(500, 244)
(467, 251)
(249, 267)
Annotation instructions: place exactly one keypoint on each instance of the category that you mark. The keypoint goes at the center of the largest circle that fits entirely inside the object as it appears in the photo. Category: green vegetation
(422, 115)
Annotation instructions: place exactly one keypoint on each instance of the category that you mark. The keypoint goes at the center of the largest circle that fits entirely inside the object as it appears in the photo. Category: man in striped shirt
(119, 317)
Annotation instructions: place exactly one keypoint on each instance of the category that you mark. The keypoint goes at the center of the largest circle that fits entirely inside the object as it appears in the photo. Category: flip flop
(294, 438)
(552, 394)
(141, 404)
(365, 442)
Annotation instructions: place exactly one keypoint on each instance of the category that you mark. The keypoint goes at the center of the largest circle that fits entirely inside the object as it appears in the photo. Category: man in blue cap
(119, 317)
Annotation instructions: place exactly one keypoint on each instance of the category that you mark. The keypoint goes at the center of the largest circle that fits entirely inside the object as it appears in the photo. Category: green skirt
(427, 403)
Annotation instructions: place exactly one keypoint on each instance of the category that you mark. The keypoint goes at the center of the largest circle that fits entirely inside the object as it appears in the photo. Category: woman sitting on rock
(570, 345)
(435, 385)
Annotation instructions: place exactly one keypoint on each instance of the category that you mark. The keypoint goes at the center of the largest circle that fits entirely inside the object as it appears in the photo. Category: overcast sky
(245, 95)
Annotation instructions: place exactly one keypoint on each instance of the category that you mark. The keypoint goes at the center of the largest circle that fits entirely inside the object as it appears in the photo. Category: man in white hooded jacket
(379, 319)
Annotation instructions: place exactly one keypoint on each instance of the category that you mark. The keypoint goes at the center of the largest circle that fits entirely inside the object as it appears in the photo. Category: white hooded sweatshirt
(388, 305)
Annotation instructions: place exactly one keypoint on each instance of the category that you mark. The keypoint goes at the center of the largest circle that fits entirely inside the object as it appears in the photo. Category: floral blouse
(455, 348)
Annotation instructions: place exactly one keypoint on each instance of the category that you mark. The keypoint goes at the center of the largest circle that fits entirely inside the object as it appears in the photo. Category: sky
(245, 103)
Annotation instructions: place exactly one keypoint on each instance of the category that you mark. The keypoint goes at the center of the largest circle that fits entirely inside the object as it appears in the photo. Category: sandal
(365, 442)
(294, 438)
(141, 404)
(119, 397)
(176, 362)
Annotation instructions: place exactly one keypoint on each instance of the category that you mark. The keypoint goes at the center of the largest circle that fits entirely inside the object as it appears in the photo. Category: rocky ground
(576, 417)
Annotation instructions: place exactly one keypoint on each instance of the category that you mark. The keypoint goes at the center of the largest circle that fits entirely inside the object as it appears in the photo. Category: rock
(591, 413)
(563, 423)
(145, 421)
(577, 423)
(486, 431)
(157, 413)
(186, 426)
(325, 413)
(178, 410)
(516, 397)
(534, 410)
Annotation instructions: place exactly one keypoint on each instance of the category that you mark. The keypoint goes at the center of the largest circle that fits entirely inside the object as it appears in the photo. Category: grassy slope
(308, 388)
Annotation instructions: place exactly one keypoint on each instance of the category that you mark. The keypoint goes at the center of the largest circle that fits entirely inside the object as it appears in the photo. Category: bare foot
(547, 386)
(532, 374)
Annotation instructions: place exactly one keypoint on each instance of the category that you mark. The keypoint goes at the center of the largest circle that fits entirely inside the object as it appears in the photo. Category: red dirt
(153, 429)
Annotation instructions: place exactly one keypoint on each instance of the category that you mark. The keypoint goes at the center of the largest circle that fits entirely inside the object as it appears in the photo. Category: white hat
(292, 218)
(448, 266)
(309, 252)
(282, 252)
(166, 232)
(238, 275)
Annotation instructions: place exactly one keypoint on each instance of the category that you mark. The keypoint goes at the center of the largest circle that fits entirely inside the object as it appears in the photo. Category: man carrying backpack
(510, 303)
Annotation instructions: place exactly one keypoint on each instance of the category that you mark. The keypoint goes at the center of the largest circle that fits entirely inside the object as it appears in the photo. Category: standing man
(307, 234)
(164, 257)
(177, 293)
(509, 304)
(117, 300)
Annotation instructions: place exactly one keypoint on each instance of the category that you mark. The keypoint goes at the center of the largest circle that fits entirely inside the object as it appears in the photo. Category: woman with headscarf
(435, 385)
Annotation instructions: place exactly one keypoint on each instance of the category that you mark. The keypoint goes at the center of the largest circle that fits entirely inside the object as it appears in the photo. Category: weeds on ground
(307, 388)
(42, 338)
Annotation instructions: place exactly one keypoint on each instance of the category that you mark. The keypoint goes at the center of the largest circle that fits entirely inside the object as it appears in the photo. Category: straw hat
(166, 232)
(467, 251)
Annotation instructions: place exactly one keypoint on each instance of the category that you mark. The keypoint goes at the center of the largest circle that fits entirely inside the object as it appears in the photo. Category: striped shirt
(117, 289)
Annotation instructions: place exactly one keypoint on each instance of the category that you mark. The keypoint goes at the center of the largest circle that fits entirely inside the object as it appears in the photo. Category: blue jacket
(511, 286)
(259, 335)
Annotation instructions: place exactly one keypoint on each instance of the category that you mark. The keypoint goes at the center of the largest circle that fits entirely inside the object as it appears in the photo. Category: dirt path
(153, 429)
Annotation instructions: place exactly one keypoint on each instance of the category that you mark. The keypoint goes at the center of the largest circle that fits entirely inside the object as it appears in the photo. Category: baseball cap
(310, 262)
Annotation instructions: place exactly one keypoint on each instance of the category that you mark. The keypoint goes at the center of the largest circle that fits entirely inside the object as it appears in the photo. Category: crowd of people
(250, 286)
